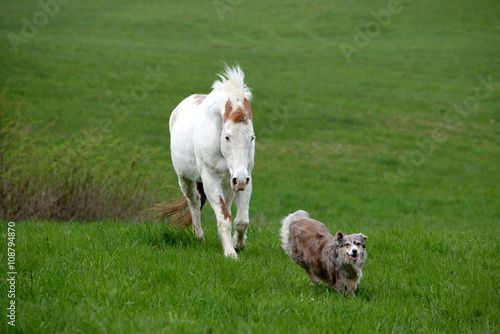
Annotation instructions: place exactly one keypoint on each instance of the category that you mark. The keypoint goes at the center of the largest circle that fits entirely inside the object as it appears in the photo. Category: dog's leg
(339, 285)
(315, 280)
(350, 287)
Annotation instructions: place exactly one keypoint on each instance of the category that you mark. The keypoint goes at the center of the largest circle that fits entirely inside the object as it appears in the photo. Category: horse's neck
(209, 124)
(213, 116)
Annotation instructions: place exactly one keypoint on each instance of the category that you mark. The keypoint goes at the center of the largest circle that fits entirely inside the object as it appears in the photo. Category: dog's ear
(363, 238)
(339, 237)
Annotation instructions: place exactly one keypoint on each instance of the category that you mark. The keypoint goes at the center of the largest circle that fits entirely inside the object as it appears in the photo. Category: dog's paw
(349, 293)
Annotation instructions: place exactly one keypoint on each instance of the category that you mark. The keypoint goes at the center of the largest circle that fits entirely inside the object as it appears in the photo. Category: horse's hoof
(232, 256)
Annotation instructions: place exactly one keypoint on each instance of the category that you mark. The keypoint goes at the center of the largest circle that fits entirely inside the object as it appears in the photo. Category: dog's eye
(347, 244)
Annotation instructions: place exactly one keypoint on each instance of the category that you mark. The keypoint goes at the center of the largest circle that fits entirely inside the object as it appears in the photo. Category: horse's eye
(227, 138)
(253, 137)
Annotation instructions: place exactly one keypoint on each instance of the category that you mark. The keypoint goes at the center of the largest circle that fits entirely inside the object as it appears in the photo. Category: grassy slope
(328, 133)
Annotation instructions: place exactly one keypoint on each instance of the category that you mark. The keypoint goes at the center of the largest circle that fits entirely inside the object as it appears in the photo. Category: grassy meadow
(380, 117)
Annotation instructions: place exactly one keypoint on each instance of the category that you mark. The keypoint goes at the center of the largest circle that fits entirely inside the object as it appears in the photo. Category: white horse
(212, 144)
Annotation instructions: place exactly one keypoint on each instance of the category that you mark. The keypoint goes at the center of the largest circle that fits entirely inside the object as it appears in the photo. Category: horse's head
(238, 142)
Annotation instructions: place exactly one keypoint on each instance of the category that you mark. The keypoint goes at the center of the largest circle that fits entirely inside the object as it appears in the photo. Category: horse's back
(183, 125)
(186, 112)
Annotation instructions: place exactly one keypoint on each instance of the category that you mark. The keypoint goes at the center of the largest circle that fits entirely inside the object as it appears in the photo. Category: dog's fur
(336, 260)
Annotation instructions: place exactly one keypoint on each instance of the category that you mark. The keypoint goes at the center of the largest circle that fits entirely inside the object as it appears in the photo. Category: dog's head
(351, 247)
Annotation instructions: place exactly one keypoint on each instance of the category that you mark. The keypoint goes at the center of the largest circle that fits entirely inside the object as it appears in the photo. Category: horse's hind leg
(202, 199)
(195, 200)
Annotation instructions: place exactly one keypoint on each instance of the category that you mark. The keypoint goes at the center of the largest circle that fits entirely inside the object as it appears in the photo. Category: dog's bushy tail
(177, 211)
(285, 228)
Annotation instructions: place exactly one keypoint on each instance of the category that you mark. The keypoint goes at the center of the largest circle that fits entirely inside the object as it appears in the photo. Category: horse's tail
(178, 211)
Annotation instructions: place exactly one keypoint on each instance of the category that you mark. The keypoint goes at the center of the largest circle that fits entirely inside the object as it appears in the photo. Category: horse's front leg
(242, 220)
(215, 196)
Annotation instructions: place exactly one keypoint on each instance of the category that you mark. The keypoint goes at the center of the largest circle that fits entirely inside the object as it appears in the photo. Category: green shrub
(94, 178)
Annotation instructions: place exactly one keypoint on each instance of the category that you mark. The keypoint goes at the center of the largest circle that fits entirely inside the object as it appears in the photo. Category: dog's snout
(354, 251)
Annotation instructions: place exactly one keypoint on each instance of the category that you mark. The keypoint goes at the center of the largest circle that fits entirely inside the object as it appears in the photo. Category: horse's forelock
(238, 114)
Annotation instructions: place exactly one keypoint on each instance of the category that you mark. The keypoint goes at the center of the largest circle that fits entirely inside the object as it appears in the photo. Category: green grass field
(380, 117)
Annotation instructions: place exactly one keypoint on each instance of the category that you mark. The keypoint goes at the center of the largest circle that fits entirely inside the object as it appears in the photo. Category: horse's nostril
(248, 180)
(234, 181)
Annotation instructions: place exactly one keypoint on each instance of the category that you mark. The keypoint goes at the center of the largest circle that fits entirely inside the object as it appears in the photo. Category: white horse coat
(212, 146)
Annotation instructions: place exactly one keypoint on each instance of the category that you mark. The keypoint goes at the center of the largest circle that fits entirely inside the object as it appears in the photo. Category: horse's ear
(248, 108)
(246, 104)
(228, 109)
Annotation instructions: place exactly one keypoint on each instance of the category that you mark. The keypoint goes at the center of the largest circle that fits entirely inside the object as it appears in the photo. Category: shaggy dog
(336, 260)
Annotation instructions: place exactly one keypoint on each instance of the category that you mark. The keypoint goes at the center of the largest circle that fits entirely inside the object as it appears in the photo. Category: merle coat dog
(337, 260)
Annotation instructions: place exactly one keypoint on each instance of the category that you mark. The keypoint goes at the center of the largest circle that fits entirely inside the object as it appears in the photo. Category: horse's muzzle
(239, 183)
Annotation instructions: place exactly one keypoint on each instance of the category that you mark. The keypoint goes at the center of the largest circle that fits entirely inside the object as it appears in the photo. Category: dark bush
(95, 178)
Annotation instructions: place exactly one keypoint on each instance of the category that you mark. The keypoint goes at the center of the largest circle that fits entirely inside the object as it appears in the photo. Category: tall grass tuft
(89, 179)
